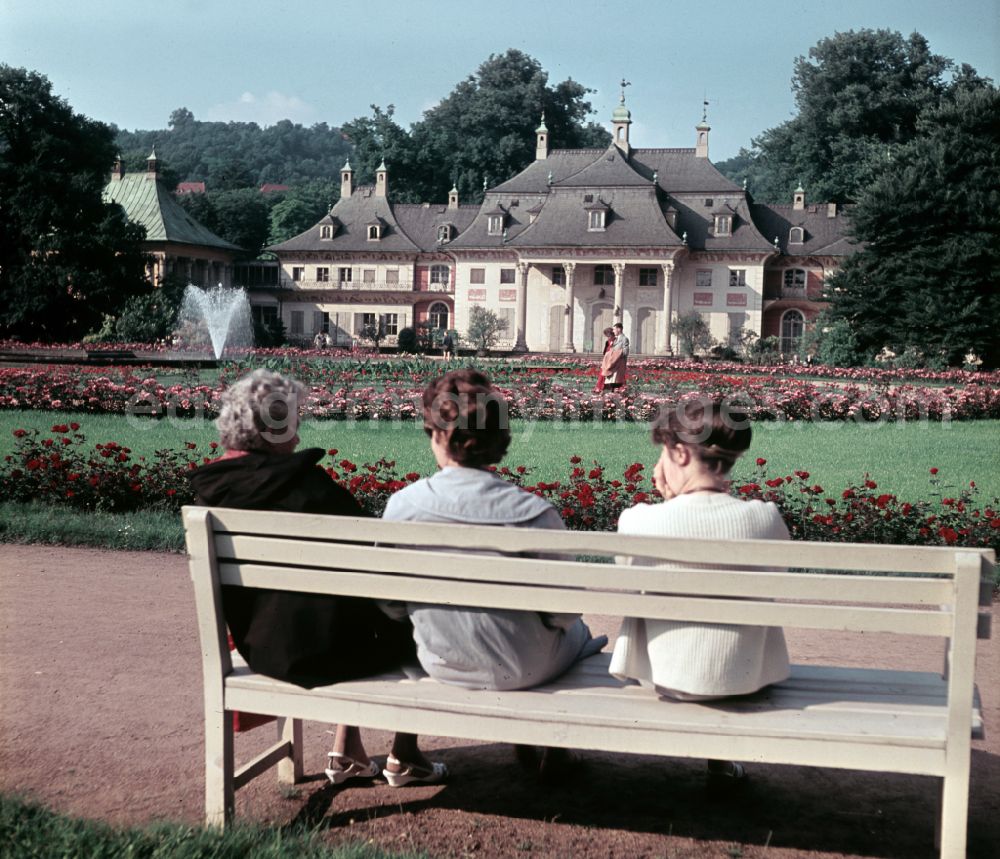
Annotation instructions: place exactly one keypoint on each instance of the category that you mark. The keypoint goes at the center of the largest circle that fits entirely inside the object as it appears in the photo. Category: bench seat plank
(818, 705)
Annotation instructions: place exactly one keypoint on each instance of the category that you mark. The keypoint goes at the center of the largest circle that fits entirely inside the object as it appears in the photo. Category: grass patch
(156, 530)
(898, 456)
(30, 831)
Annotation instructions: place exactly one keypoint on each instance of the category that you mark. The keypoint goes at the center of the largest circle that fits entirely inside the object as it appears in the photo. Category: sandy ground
(100, 712)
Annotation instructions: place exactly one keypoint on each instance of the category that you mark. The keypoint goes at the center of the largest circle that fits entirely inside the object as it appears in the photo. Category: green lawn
(898, 456)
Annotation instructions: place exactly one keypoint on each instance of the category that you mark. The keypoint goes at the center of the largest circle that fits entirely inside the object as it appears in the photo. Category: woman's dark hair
(464, 405)
(717, 434)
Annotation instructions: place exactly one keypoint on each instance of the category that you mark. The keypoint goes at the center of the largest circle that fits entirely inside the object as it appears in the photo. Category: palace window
(344, 275)
(326, 232)
(792, 325)
(604, 275)
(363, 321)
(703, 279)
(298, 322)
(374, 232)
(507, 275)
(322, 274)
(444, 233)
(437, 315)
(595, 221)
(477, 275)
(647, 277)
(368, 275)
(737, 277)
(392, 275)
(440, 275)
(558, 275)
(795, 280)
(494, 224)
(298, 272)
(390, 324)
(796, 235)
(723, 225)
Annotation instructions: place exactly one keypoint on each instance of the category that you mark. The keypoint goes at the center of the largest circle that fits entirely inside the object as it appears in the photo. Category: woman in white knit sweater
(700, 441)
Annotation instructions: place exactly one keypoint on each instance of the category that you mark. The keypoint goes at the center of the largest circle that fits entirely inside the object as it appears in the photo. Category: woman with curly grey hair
(306, 639)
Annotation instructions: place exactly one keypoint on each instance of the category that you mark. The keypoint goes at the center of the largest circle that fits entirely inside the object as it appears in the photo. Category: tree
(298, 209)
(926, 276)
(67, 258)
(859, 95)
(485, 328)
(483, 131)
(692, 333)
(241, 217)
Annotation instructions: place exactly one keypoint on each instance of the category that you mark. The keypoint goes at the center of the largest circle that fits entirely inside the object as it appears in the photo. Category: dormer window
(494, 224)
(723, 225)
(326, 232)
(796, 236)
(595, 220)
(374, 232)
(444, 233)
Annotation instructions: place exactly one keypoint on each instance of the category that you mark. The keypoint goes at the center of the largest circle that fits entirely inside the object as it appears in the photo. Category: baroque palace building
(578, 240)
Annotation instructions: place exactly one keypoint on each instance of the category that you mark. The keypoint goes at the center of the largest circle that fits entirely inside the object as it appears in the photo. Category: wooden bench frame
(879, 720)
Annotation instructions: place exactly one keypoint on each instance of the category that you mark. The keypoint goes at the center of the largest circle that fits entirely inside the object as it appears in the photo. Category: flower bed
(63, 469)
(387, 391)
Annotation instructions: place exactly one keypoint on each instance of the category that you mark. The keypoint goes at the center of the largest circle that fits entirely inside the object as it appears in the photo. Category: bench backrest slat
(766, 553)
(903, 590)
(587, 601)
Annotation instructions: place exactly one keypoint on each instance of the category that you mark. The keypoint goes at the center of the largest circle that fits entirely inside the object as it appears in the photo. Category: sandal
(414, 773)
(349, 768)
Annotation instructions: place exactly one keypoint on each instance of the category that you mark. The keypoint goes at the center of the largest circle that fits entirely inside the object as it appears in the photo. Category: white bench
(880, 719)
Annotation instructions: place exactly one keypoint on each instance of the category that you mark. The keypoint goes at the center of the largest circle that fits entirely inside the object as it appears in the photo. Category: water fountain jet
(218, 317)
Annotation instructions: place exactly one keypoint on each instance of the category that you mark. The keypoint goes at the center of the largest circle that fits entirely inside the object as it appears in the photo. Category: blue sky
(311, 61)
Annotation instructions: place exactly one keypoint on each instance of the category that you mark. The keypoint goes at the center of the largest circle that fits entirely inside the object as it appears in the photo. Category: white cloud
(265, 109)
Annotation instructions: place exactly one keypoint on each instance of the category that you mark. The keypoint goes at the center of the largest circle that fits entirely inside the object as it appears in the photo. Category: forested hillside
(231, 155)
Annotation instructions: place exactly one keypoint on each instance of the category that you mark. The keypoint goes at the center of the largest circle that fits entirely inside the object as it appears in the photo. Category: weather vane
(704, 109)
(625, 83)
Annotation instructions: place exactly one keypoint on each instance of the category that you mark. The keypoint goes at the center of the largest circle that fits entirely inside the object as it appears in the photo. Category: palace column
(521, 311)
(570, 269)
(619, 270)
(663, 336)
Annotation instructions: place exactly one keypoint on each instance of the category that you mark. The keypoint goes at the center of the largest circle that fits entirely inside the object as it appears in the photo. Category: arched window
(374, 232)
(792, 325)
(796, 235)
(326, 232)
(437, 315)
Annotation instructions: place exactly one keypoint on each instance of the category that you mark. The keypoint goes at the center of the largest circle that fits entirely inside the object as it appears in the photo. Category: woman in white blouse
(699, 442)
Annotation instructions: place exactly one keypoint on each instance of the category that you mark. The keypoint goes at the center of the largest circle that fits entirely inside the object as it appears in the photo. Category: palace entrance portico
(586, 296)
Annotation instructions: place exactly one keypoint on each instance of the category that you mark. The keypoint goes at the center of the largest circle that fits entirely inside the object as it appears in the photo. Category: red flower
(190, 445)
(950, 535)
(847, 493)
(595, 473)
(802, 475)
(60, 428)
(412, 476)
(521, 469)
(871, 484)
(74, 426)
(574, 459)
(332, 451)
(93, 481)
(46, 442)
(995, 523)
(882, 501)
(171, 493)
(640, 497)
(20, 433)
(774, 482)
(749, 488)
(214, 445)
(934, 471)
(761, 461)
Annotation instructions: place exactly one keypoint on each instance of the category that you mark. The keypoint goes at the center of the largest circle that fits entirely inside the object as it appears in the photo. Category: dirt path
(100, 713)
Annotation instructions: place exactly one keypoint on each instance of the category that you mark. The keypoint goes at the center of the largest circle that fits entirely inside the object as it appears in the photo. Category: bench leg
(290, 769)
(219, 790)
(953, 821)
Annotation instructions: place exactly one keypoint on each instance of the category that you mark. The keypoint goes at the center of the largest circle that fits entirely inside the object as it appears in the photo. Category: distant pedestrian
(448, 345)
(616, 360)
